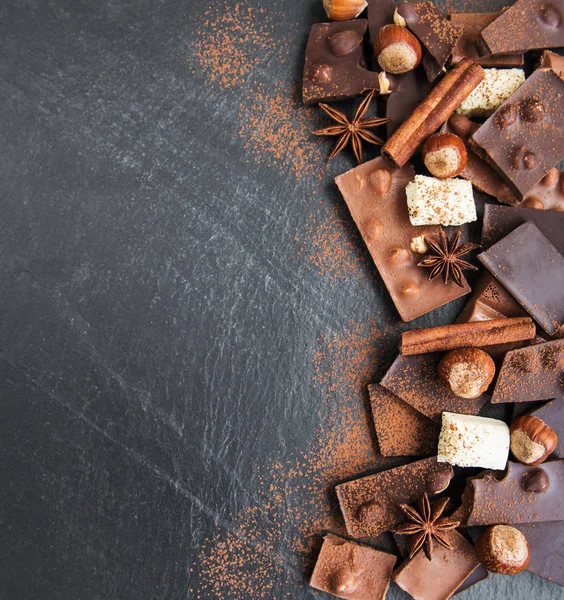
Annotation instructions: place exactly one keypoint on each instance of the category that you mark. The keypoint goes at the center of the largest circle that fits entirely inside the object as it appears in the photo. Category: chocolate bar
(347, 569)
(527, 25)
(375, 195)
(548, 194)
(524, 138)
(551, 60)
(439, 578)
(472, 26)
(532, 270)
(531, 374)
(499, 221)
(522, 495)
(370, 504)
(437, 34)
(335, 68)
(414, 379)
(401, 430)
(552, 413)
(412, 88)
(546, 541)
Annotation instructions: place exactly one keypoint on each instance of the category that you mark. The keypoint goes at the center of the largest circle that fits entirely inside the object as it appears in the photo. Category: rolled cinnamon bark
(467, 335)
(441, 102)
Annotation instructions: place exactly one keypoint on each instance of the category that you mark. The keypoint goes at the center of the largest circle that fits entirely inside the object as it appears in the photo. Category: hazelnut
(381, 181)
(503, 549)
(344, 582)
(532, 440)
(344, 42)
(467, 372)
(551, 178)
(462, 126)
(342, 10)
(536, 481)
(397, 50)
(418, 244)
(444, 154)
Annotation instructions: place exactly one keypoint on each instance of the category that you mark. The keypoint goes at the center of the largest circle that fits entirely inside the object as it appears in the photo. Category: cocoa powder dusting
(273, 538)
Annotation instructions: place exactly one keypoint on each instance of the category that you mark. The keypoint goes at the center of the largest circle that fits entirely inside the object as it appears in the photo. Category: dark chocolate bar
(524, 138)
(532, 270)
(527, 25)
(436, 33)
(379, 13)
(546, 541)
(335, 68)
(412, 88)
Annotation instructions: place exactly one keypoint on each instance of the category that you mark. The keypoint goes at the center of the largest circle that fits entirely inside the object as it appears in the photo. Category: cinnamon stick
(467, 335)
(441, 102)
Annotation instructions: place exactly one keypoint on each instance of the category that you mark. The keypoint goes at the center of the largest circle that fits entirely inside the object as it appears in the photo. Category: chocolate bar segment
(349, 570)
(401, 430)
(527, 25)
(551, 60)
(531, 374)
(472, 26)
(375, 195)
(335, 68)
(532, 270)
(499, 221)
(552, 413)
(516, 496)
(546, 541)
(548, 194)
(524, 138)
(439, 578)
(370, 504)
(414, 379)
(436, 33)
(412, 88)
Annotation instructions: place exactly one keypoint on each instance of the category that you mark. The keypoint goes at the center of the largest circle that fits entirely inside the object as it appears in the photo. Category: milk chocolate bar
(401, 430)
(522, 495)
(527, 25)
(472, 26)
(546, 541)
(335, 68)
(347, 569)
(439, 578)
(370, 504)
(437, 34)
(414, 380)
(524, 138)
(375, 195)
(499, 221)
(532, 270)
(531, 374)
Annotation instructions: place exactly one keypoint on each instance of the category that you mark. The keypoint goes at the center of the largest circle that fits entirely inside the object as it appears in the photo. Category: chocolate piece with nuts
(335, 68)
(524, 138)
(503, 549)
(375, 195)
(350, 570)
(370, 504)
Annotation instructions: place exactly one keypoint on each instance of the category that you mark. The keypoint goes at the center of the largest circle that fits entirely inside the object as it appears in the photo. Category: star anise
(354, 131)
(426, 526)
(446, 258)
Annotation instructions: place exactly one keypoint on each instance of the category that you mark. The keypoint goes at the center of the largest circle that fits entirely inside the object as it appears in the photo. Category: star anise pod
(426, 525)
(446, 258)
(354, 131)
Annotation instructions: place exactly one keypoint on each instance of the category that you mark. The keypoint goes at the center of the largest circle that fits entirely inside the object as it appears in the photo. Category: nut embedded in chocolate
(536, 481)
(344, 42)
(503, 549)
(467, 372)
(532, 440)
(344, 582)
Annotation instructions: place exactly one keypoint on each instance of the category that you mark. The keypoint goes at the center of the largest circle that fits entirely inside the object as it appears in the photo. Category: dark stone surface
(170, 332)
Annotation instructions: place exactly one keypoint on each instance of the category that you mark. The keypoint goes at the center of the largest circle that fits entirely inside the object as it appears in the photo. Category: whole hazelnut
(397, 50)
(444, 154)
(344, 582)
(342, 10)
(467, 372)
(503, 549)
(532, 440)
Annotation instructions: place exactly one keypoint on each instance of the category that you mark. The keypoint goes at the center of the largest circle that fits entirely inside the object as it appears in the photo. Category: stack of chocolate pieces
(461, 115)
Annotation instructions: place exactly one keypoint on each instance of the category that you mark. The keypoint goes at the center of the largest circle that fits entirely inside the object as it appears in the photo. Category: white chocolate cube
(493, 91)
(432, 201)
(468, 441)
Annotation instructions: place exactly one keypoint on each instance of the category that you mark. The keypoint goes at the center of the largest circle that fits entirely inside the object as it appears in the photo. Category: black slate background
(160, 309)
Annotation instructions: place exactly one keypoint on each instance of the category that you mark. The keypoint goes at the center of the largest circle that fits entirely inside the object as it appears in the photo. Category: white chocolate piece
(493, 91)
(433, 201)
(468, 441)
